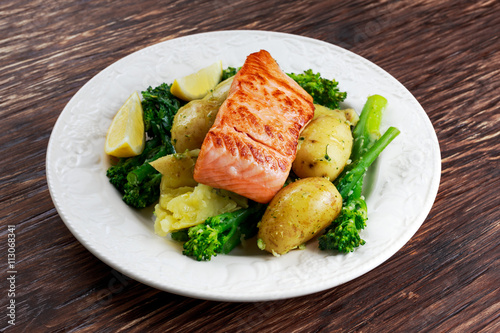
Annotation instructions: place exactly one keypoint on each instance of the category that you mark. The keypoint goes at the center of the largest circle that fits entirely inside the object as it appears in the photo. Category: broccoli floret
(117, 174)
(228, 72)
(143, 194)
(143, 182)
(160, 107)
(324, 92)
(134, 177)
(220, 234)
(343, 234)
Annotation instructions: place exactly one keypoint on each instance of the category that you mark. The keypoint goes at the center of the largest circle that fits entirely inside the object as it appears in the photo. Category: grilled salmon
(250, 147)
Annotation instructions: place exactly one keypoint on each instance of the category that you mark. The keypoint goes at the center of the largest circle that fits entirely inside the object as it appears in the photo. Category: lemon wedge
(125, 137)
(197, 85)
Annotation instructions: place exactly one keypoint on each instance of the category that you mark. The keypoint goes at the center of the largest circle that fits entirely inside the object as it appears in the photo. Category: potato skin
(324, 146)
(193, 121)
(177, 169)
(345, 114)
(297, 213)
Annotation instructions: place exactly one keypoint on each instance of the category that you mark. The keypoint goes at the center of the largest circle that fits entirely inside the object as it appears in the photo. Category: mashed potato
(185, 207)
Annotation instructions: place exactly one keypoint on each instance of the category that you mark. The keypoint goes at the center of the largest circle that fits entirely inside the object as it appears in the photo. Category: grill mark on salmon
(250, 148)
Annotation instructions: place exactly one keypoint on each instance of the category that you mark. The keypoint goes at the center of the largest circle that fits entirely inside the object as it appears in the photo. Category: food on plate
(193, 120)
(196, 85)
(298, 213)
(229, 72)
(125, 137)
(177, 169)
(343, 234)
(251, 156)
(251, 146)
(324, 145)
(136, 180)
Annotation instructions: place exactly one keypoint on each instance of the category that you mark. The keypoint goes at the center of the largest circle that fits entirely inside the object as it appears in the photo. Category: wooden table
(445, 279)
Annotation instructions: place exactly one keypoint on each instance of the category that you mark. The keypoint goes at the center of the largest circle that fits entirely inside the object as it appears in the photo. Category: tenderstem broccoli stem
(367, 130)
(221, 233)
(347, 183)
(138, 175)
(232, 221)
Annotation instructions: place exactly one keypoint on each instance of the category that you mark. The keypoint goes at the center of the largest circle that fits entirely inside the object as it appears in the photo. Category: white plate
(404, 181)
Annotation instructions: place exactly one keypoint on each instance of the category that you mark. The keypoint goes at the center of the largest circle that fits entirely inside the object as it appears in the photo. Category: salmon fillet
(250, 148)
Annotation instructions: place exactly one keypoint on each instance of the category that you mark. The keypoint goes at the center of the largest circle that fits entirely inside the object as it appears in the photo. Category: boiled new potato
(297, 213)
(193, 121)
(345, 114)
(177, 169)
(324, 145)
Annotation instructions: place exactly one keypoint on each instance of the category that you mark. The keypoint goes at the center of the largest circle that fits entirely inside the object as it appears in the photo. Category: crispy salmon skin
(250, 148)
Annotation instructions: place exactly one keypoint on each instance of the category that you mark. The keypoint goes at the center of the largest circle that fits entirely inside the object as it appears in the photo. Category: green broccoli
(367, 130)
(324, 92)
(141, 195)
(220, 234)
(134, 177)
(343, 234)
(228, 72)
(160, 107)
(143, 182)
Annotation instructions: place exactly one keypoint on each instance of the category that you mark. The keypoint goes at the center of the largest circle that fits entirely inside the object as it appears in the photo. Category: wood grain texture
(447, 53)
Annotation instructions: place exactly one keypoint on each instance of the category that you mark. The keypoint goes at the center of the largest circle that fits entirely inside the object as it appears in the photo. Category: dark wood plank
(447, 53)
